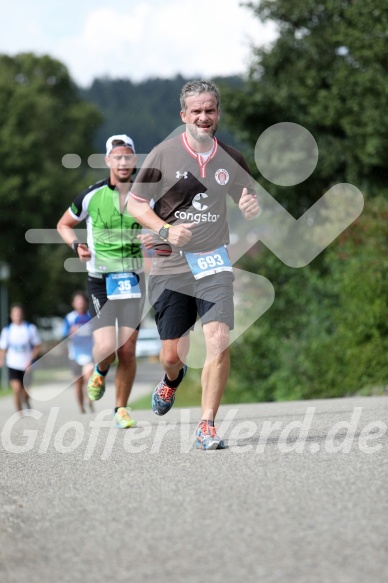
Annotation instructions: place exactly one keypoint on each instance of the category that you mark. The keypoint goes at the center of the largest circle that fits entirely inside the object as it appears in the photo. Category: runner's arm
(65, 228)
(141, 210)
(35, 353)
(4, 345)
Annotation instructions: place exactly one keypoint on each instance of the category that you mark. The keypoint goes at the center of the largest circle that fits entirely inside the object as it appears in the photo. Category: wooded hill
(147, 111)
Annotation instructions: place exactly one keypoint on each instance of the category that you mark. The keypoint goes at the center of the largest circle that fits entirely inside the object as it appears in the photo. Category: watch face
(163, 233)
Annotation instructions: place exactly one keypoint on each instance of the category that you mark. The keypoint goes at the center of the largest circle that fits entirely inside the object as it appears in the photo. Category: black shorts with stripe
(104, 312)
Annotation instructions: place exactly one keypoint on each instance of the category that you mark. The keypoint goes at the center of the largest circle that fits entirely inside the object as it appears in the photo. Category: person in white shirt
(20, 345)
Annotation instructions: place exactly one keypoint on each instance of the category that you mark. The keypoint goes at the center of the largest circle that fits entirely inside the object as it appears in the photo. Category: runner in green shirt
(114, 261)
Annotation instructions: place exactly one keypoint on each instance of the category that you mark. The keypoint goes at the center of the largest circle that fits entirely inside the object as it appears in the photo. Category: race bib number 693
(208, 263)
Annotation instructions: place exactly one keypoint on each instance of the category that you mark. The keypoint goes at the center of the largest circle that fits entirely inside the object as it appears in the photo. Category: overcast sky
(135, 39)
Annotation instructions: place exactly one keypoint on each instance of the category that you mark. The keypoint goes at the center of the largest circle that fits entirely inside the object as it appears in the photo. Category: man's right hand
(83, 252)
(179, 235)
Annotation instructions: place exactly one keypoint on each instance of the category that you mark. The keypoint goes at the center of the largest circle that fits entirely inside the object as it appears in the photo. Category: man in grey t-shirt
(180, 194)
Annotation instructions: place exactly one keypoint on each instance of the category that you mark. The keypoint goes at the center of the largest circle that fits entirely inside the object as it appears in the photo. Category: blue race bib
(122, 286)
(203, 264)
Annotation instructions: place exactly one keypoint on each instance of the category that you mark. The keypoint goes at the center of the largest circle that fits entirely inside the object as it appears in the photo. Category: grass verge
(5, 392)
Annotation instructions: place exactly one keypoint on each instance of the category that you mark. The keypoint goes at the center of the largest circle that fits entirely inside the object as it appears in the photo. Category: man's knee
(171, 356)
(17, 386)
(127, 353)
(217, 336)
(104, 350)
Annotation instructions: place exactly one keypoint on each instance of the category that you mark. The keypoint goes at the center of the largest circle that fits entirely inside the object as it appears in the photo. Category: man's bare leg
(104, 350)
(17, 389)
(215, 372)
(172, 355)
(87, 370)
(126, 367)
(78, 387)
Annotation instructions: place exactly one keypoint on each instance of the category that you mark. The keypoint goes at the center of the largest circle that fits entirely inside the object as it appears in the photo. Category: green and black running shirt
(112, 235)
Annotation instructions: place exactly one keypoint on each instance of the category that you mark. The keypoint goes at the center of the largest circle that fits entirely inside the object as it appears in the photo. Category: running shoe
(163, 396)
(96, 385)
(122, 418)
(207, 438)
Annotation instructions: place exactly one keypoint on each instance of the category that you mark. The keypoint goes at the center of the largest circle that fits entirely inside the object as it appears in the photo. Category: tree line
(45, 116)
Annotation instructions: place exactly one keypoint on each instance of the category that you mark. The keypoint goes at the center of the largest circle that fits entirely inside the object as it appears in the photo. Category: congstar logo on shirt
(199, 205)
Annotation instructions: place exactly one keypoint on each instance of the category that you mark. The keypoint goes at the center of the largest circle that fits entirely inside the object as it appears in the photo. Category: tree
(43, 118)
(326, 333)
(358, 262)
(327, 71)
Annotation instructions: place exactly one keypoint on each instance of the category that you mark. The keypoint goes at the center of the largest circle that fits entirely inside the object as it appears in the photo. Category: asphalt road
(299, 495)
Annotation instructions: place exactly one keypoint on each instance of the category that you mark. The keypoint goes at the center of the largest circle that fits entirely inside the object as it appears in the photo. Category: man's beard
(200, 137)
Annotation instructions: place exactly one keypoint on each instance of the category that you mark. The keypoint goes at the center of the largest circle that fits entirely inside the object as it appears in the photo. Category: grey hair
(195, 88)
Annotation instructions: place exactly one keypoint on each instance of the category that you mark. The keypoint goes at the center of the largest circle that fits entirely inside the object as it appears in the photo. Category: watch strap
(74, 246)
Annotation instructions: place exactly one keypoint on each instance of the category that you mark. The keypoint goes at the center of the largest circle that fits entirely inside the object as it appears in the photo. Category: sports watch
(74, 246)
(163, 232)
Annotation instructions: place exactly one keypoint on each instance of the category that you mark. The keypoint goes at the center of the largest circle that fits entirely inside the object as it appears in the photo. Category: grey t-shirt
(187, 189)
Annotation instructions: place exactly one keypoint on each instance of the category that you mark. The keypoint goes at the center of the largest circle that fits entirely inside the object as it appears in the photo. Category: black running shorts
(178, 300)
(104, 312)
(15, 374)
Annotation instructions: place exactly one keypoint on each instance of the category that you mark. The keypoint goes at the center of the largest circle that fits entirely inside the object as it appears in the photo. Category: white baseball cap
(127, 141)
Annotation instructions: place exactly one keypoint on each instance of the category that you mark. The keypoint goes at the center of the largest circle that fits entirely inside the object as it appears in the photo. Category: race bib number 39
(122, 286)
(203, 264)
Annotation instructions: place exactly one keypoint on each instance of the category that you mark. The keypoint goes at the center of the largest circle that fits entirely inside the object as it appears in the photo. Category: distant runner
(20, 345)
(77, 325)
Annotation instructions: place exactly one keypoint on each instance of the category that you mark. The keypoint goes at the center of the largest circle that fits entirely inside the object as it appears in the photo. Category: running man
(20, 346)
(114, 261)
(180, 195)
(77, 326)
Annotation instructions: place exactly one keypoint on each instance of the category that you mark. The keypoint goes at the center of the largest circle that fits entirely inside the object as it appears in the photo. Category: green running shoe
(96, 386)
(122, 418)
